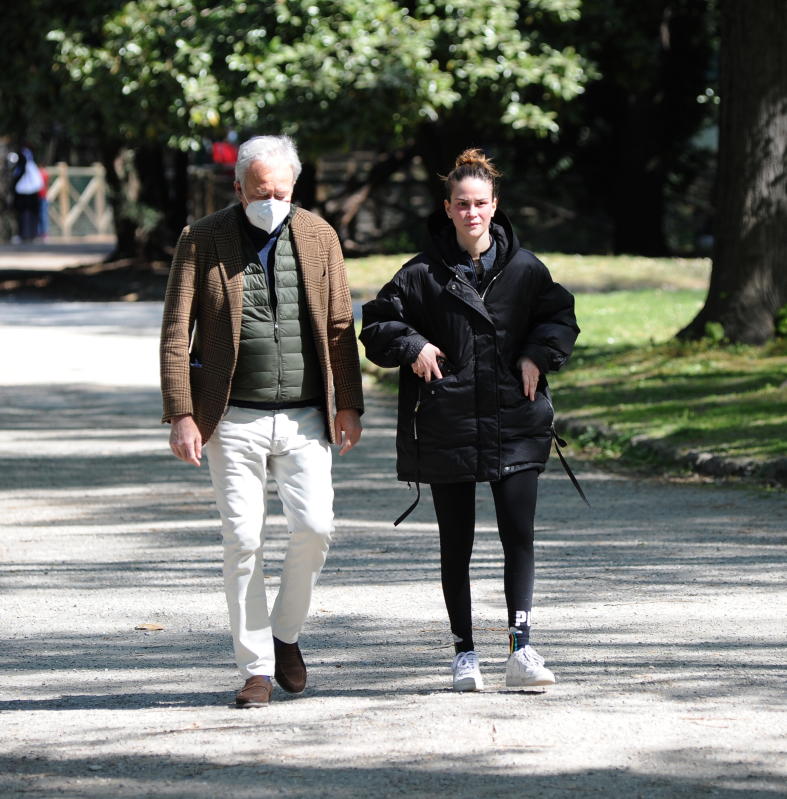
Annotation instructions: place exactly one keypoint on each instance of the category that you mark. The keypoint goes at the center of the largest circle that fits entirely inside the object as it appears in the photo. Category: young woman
(474, 323)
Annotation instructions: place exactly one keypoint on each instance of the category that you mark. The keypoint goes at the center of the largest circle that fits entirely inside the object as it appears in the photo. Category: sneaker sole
(468, 684)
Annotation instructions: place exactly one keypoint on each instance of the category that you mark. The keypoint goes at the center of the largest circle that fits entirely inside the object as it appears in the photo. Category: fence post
(101, 196)
(65, 189)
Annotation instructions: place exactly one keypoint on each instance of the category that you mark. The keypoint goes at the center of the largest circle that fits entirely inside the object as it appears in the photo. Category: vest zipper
(277, 339)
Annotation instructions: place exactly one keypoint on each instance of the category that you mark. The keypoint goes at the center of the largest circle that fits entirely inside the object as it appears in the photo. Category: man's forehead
(274, 170)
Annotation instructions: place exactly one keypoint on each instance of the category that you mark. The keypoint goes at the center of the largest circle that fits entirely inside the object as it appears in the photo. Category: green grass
(730, 401)
(369, 274)
(630, 375)
(634, 317)
(631, 378)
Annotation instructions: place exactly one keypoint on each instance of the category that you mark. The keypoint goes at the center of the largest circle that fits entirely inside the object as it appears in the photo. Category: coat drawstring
(417, 462)
(559, 442)
(412, 507)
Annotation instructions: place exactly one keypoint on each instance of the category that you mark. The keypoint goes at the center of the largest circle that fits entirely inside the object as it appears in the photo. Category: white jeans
(290, 445)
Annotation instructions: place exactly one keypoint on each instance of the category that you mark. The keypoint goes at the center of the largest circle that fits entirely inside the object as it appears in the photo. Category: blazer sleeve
(387, 336)
(342, 343)
(551, 339)
(180, 310)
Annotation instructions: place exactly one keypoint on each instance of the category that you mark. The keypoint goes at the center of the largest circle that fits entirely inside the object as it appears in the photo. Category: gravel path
(661, 612)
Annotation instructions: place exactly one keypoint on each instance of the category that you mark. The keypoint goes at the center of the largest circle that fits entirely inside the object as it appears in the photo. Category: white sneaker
(467, 675)
(525, 669)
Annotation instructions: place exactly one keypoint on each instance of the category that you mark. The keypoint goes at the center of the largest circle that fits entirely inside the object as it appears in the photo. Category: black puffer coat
(474, 424)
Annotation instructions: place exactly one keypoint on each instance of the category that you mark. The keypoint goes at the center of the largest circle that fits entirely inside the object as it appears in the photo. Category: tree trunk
(148, 194)
(749, 277)
(342, 211)
(115, 160)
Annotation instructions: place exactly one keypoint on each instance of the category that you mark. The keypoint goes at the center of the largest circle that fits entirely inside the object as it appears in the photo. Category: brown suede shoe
(255, 693)
(290, 669)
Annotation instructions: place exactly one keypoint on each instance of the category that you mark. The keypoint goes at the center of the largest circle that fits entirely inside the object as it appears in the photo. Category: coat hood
(444, 247)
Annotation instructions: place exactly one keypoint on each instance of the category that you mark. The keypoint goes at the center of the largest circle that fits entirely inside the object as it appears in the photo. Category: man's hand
(425, 365)
(185, 439)
(530, 375)
(347, 425)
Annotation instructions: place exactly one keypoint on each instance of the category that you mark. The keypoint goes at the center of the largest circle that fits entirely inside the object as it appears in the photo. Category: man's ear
(238, 192)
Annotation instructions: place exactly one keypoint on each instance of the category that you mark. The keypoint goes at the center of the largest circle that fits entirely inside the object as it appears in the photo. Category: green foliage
(332, 72)
(781, 321)
(147, 72)
(714, 331)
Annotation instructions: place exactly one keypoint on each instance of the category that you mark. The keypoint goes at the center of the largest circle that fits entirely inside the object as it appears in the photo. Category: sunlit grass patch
(731, 401)
(634, 317)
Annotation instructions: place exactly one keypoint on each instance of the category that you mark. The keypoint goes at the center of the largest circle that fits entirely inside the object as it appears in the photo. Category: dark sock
(463, 646)
(518, 638)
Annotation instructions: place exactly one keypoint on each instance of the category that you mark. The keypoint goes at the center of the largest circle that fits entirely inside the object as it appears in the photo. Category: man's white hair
(267, 148)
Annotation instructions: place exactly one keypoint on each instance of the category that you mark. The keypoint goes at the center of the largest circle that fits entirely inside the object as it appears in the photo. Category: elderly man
(259, 367)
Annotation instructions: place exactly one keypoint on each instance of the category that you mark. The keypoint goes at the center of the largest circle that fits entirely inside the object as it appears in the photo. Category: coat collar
(307, 244)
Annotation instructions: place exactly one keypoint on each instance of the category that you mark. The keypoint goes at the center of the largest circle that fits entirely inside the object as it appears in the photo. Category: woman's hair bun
(472, 163)
(477, 158)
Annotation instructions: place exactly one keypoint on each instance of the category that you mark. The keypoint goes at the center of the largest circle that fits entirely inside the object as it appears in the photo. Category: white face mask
(267, 215)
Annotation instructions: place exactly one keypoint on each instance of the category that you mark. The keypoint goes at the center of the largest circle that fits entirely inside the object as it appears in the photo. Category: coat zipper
(486, 290)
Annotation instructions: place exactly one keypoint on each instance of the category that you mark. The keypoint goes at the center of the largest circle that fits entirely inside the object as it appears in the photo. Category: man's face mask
(268, 214)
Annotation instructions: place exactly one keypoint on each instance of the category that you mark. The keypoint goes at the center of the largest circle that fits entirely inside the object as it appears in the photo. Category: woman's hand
(530, 375)
(425, 365)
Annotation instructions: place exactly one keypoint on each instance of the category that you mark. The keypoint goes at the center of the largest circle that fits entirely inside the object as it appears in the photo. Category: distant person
(475, 323)
(27, 182)
(225, 152)
(259, 365)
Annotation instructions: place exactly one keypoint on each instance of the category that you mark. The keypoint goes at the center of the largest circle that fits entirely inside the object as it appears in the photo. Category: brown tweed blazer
(204, 302)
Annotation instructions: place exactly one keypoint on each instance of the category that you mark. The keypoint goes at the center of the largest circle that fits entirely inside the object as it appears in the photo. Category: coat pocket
(444, 416)
(527, 417)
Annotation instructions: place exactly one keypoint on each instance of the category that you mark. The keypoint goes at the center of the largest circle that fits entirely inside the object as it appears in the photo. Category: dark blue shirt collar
(487, 262)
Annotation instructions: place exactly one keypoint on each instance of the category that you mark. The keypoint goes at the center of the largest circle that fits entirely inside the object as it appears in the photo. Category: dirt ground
(661, 611)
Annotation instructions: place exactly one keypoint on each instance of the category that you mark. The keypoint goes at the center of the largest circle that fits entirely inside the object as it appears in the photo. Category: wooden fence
(77, 197)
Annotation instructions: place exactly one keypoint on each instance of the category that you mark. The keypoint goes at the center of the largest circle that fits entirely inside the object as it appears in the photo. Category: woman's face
(471, 208)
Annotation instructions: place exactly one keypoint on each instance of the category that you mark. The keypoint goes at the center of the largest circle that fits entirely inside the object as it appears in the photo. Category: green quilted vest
(277, 360)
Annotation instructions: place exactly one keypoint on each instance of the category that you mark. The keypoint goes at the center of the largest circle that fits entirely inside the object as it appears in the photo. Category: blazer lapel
(229, 248)
(313, 266)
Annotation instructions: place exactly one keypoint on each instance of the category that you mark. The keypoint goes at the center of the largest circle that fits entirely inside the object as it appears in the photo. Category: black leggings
(515, 506)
